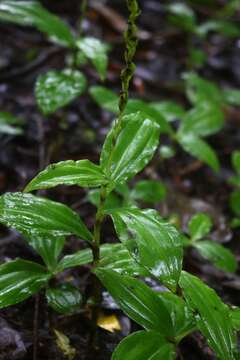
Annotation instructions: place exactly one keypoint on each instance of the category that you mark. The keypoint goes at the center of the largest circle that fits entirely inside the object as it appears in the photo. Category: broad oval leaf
(153, 243)
(64, 299)
(199, 149)
(96, 51)
(147, 345)
(30, 214)
(48, 246)
(83, 173)
(220, 256)
(134, 148)
(9, 124)
(19, 279)
(55, 89)
(203, 120)
(31, 13)
(138, 301)
(213, 316)
(199, 226)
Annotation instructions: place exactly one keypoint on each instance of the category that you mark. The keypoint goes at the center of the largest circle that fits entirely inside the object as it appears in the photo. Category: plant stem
(126, 76)
(83, 10)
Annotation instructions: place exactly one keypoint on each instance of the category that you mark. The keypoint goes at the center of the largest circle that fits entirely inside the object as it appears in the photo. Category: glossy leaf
(31, 13)
(220, 256)
(199, 226)
(83, 173)
(112, 256)
(149, 191)
(137, 300)
(55, 89)
(134, 148)
(170, 110)
(235, 202)
(96, 51)
(203, 120)
(48, 246)
(19, 279)
(30, 214)
(9, 124)
(153, 243)
(213, 316)
(64, 299)
(199, 149)
(235, 317)
(147, 345)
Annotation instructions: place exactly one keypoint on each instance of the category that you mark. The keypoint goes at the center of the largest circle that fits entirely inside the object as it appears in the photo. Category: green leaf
(149, 191)
(31, 13)
(201, 90)
(182, 16)
(221, 257)
(232, 96)
(64, 299)
(213, 316)
(135, 105)
(235, 202)
(235, 317)
(19, 279)
(48, 246)
(112, 201)
(203, 120)
(137, 300)
(153, 243)
(105, 98)
(199, 149)
(147, 345)
(30, 214)
(199, 226)
(55, 89)
(83, 173)
(170, 110)
(96, 51)
(112, 256)
(9, 124)
(134, 148)
(236, 161)
(224, 27)
(181, 315)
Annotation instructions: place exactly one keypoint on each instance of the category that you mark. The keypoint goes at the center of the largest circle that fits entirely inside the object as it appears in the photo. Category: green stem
(126, 76)
(83, 10)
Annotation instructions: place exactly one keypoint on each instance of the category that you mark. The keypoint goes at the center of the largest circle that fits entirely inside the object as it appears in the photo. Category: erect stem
(127, 73)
